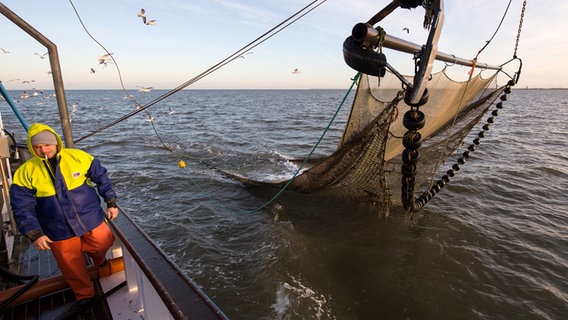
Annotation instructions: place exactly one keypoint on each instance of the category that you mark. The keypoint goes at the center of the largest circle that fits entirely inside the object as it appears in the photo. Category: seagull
(296, 71)
(406, 29)
(104, 58)
(4, 51)
(24, 96)
(172, 111)
(92, 70)
(145, 89)
(142, 15)
(41, 56)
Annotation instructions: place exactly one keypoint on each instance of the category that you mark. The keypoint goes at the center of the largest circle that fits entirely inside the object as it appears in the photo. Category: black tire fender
(364, 60)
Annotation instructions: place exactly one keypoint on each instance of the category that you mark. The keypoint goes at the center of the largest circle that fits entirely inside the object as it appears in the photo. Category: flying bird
(145, 89)
(406, 29)
(104, 59)
(142, 14)
(4, 51)
(92, 70)
(296, 71)
(41, 56)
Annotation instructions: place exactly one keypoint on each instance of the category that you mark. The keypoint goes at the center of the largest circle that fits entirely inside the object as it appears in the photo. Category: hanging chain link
(427, 4)
(520, 27)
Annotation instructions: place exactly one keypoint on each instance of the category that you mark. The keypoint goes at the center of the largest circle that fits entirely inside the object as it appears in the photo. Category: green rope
(217, 203)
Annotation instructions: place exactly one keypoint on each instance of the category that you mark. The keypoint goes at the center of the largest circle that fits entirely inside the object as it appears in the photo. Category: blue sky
(192, 35)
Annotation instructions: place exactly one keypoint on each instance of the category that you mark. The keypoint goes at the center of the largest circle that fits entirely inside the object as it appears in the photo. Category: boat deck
(143, 283)
(54, 306)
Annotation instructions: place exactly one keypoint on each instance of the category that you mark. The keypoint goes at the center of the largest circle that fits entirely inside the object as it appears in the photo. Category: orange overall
(69, 254)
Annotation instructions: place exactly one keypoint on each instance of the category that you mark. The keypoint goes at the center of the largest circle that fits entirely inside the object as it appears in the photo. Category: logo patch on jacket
(76, 174)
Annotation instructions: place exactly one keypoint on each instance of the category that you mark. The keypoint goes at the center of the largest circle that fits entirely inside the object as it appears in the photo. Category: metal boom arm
(398, 44)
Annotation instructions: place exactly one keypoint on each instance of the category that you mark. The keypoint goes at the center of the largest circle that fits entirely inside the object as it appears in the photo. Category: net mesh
(367, 163)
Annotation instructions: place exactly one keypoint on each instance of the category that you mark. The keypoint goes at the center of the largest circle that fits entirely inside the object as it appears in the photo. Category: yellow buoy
(181, 164)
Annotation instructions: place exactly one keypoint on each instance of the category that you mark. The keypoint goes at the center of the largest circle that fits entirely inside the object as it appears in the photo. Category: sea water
(492, 245)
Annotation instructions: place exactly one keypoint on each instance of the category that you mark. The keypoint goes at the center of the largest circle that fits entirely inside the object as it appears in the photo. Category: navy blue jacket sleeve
(98, 174)
(24, 205)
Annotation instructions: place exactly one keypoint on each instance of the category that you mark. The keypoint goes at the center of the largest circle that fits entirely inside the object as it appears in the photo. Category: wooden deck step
(29, 261)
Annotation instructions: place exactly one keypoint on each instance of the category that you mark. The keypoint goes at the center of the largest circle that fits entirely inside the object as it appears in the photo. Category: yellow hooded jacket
(61, 204)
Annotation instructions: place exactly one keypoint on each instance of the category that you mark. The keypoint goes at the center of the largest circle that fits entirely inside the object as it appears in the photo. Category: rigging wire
(264, 37)
(493, 36)
(239, 53)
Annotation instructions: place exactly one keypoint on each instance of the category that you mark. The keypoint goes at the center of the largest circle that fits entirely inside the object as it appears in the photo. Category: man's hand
(112, 213)
(42, 243)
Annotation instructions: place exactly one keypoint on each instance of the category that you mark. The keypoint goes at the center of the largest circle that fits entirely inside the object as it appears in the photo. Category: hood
(37, 128)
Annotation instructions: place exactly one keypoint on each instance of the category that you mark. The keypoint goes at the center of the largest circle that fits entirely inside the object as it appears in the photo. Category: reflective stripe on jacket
(63, 207)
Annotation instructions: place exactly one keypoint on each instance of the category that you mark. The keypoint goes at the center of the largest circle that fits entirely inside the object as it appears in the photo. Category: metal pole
(11, 103)
(398, 44)
(55, 71)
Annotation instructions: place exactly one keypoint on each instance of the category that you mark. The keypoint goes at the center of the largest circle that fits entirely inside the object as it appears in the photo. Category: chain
(427, 4)
(520, 27)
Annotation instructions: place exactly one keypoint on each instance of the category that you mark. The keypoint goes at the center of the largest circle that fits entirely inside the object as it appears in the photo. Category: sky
(190, 36)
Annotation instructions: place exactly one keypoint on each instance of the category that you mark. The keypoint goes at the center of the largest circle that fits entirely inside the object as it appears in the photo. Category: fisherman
(57, 207)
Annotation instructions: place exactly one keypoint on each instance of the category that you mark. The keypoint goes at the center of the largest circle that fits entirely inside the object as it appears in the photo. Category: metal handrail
(55, 71)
